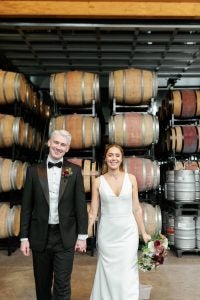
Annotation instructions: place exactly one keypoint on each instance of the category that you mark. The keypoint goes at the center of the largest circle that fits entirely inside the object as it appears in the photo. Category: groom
(54, 219)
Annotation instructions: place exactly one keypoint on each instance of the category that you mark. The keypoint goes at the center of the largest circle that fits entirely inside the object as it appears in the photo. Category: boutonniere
(67, 172)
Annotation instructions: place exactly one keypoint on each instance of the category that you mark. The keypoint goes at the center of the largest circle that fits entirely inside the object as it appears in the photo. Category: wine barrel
(4, 212)
(152, 218)
(185, 103)
(13, 221)
(74, 88)
(147, 172)
(29, 96)
(133, 129)
(11, 175)
(132, 86)
(28, 136)
(84, 129)
(89, 171)
(12, 87)
(183, 139)
(11, 130)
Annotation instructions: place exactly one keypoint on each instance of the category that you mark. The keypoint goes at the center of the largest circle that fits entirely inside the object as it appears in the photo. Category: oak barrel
(185, 103)
(132, 86)
(133, 129)
(4, 212)
(89, 171)
(152, 218)
(11, 175)
(74, 88)
(12, 87)
(11, 130)
(183, 139)
(85, 130)
(146, 171)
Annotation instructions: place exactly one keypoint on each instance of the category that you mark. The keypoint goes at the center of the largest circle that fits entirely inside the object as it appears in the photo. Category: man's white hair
(64, 133)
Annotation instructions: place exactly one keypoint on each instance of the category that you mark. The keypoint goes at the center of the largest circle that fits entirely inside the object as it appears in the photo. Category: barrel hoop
(96, 87)
(158, 218)
(13, 175)
(4, 87)
(83, 88)
(17, 87)
(94, 84)
(52, 94)
(15, 130)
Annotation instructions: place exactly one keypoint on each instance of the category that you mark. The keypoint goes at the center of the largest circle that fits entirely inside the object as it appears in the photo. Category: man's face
(57, 147)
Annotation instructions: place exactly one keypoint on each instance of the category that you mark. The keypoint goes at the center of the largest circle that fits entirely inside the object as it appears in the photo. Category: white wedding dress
(116, 275)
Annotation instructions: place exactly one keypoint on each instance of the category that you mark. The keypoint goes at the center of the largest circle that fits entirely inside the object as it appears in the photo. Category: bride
(115, 195)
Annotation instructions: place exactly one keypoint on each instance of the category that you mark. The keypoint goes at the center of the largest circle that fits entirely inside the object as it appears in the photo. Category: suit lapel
(42, 174)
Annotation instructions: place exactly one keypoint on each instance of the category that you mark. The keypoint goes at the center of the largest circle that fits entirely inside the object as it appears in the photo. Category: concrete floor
(177, 279)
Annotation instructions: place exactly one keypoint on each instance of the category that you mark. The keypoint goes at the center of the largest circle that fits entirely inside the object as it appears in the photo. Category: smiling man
(54, 219)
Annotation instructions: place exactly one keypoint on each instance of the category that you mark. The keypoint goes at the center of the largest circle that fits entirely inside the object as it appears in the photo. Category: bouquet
(153, 253)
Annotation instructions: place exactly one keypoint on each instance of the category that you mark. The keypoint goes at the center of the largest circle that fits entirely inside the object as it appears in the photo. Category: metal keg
(185, 237)
(198, 232)
(169, 187)
(197, 184)
(184, 185)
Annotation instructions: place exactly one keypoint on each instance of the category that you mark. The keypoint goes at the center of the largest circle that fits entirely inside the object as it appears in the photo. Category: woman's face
(113, 158)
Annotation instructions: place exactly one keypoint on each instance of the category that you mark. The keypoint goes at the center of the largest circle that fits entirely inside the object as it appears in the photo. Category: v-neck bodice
(111, 187)
(114, 205)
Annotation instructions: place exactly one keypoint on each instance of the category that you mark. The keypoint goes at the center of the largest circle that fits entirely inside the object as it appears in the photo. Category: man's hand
(81, 246)
(25, 248)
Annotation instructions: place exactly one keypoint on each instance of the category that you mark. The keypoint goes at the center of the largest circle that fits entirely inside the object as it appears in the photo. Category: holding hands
(80, 246)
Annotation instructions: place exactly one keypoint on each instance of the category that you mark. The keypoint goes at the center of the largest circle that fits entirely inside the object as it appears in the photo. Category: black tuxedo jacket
(72, 207)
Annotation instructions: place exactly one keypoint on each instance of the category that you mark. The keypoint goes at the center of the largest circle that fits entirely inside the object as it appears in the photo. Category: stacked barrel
(182, 181)
(78, 91)
(20, 109)
(136, 130)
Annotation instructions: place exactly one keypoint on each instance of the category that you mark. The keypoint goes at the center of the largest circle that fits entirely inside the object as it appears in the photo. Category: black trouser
(54, 264)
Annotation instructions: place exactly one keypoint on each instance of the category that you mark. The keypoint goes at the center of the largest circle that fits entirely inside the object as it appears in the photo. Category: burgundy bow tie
(58, 164)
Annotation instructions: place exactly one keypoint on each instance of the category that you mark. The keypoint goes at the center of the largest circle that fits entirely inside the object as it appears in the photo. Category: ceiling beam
(101, 9)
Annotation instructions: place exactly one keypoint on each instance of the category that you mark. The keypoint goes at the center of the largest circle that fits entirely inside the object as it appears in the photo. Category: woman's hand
(146, 237)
